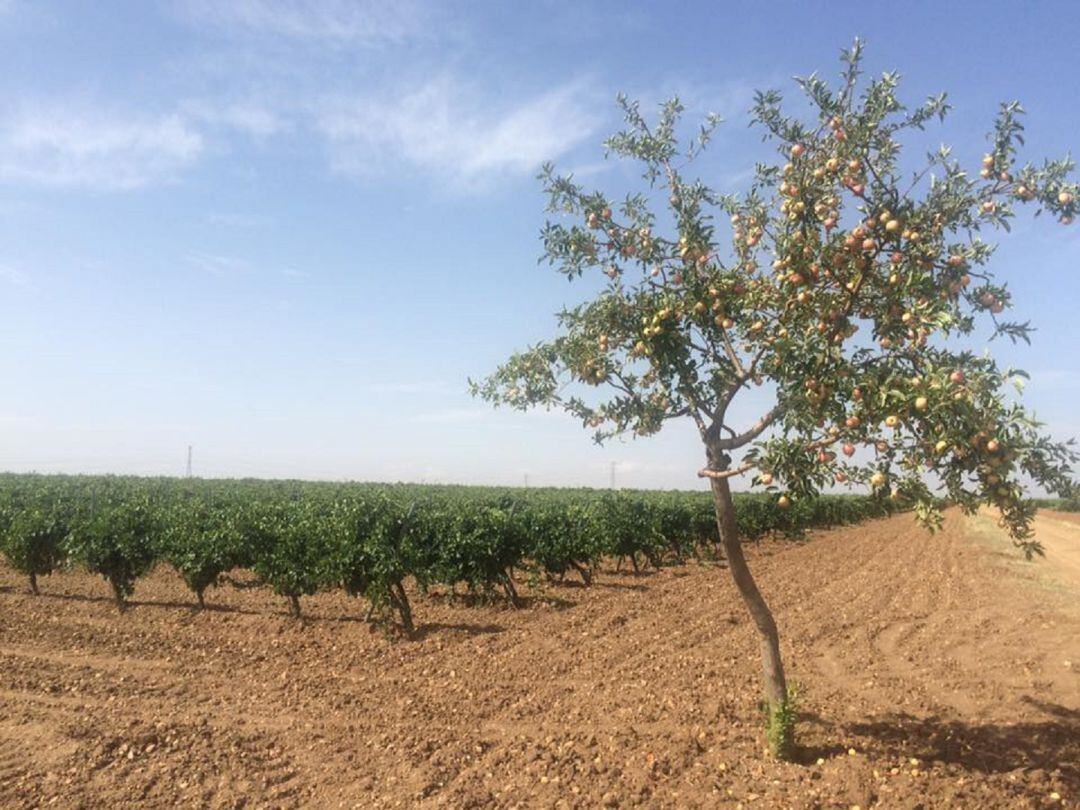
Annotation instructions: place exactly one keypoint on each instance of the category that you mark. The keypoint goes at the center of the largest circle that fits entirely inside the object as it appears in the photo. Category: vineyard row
(301, 537)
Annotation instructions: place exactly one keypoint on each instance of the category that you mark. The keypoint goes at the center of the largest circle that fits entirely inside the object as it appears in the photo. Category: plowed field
(934, 671)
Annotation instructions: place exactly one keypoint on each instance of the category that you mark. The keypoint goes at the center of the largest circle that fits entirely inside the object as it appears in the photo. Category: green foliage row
(304, 537)
(1060, 504)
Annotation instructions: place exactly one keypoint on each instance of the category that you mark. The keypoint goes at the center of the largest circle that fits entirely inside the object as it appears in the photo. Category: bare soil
(934, 671)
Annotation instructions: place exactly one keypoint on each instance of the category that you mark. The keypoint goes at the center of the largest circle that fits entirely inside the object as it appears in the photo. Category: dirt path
(935, 671)
(1059, 532)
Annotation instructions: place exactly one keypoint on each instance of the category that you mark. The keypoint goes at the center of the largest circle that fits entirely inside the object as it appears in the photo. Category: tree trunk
(776, 694)
(118, 596)
(586, 574)
(33, 583)
(201, 598)
(511, 591)
(398, 595)
(294, 605)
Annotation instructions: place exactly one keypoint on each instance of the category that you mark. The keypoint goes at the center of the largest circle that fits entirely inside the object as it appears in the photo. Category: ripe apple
(957, 377)
(848, 449)
(993, 446)
(892, 420)
(921, 403)
(797, 150)
(877, 480)
(783, 502)
(1065, 198)
(766, 478)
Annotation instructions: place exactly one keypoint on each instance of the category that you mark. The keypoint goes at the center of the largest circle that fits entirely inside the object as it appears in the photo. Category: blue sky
(287, 232)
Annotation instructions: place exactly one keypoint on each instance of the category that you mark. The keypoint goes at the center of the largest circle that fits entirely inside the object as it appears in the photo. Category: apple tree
(846, 285)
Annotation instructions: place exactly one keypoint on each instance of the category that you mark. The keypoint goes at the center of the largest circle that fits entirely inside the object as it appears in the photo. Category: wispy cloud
(218, 265)
(337, 21)
(233, 219)
(63, 148)
(248, 117)
(409, 387)
(493, 416)
(15, 277)
(445, 128)
(453, 416)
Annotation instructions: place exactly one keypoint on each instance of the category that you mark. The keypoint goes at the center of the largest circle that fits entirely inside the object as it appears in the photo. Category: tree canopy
(846, 284)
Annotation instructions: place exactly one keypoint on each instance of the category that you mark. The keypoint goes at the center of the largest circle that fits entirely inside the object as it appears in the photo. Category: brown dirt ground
(935, 671)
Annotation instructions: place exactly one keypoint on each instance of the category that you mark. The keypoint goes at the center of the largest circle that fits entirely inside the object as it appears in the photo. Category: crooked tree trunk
(33, 583)
(118, 595)
(586, 574)
(781, 735)
(400, 600)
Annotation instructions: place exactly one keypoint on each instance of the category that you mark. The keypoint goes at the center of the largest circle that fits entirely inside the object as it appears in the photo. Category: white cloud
(338, 21)
(409, 387)
(15, 277)
(443, 128)
(454, 416)
(249, 118)
(234, 219)
(66, 149)
(218, 265)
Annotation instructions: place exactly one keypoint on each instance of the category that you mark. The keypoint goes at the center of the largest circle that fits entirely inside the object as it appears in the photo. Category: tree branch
(707, 473)
(748, 436)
